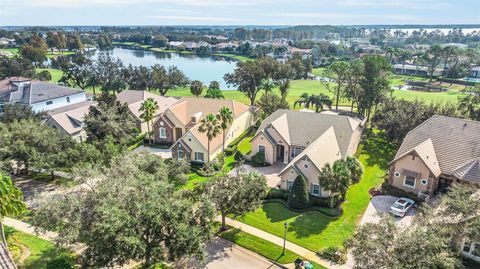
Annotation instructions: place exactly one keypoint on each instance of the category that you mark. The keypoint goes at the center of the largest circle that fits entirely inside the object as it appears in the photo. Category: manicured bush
(239, 156)
(275, 194)
(319, 201)
(229, 151)
(258, 159)
(299, 197)
(334, 254)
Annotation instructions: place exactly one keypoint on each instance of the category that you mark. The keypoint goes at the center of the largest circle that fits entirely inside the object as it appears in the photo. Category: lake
(205, 69)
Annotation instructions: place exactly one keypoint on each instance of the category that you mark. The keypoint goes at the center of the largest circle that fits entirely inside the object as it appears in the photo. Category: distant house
(134, 99)
(414, 70)
(474, 73)
(436, 153)
(39, 95)
(7, 41)
(190, 45)
(178, 126)
(175, 44)
(69, 120)
(305, 142)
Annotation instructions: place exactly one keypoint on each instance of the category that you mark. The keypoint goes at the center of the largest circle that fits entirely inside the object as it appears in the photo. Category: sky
(237, 12)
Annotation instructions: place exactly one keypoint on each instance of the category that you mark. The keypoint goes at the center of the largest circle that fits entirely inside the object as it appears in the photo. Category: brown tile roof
(426, 152)
(455, 141)
(470, 171)
(134, 100)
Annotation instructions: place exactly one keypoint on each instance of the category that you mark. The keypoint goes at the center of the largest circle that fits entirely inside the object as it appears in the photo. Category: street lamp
(284, 237)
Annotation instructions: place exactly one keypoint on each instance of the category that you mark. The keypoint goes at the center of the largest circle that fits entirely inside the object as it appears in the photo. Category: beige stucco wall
(195, 145)
(80, 136)
(261, 139)
(311, 173)
(238, 126)
(408, 162)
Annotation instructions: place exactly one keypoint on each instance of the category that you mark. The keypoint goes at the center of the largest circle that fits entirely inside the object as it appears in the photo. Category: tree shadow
(379, 150)
(39, 260)
(309, 223)
(276, 212)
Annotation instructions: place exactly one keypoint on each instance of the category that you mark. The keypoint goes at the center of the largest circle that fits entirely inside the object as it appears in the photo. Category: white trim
(264, 149)
(319, 190)
(409, 186)
(197, 159)
(424, 180)
(164, 132)
(288, 182)
(178, 154)
(396, 174)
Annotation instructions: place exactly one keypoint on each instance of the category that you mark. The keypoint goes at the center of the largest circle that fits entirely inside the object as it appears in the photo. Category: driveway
(164, 153)
(224, 254)
(270, 172)
(380, 205)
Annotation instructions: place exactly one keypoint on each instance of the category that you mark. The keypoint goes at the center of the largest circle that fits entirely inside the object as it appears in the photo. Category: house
(436, 153)
(69, 120)
(305, 142)
(39, 95)
(190, 45)
(414, 70)
(134, 99)
(7, 41)
(178, 126)
(474, 73)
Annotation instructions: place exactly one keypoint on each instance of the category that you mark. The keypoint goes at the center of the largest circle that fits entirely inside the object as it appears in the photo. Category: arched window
(163, 132)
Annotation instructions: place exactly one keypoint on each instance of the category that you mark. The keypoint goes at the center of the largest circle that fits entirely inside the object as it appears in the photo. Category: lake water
(205, 69)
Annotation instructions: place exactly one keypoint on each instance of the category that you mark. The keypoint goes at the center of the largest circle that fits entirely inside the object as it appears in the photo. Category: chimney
(196, 117)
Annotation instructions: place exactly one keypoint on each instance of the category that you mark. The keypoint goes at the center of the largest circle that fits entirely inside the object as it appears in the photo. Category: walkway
(301, 251)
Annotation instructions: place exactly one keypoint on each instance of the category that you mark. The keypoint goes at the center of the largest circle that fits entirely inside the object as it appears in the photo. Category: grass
(318, 71)
(11, 50)
(258, 245)
(41, 251)
(195, 179)
(314, 230)
(51, 54)
(234, 56)
(56, 73)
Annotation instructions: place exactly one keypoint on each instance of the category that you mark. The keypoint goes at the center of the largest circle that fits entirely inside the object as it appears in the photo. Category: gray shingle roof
(456, 141)
(305, 127)
(36, 92)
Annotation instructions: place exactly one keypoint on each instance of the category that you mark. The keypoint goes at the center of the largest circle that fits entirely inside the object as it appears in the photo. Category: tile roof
(323, 150)
(470, 171)
(455, 141)
(301, 128)
(134, 100)
(70, 118)
(426, 152)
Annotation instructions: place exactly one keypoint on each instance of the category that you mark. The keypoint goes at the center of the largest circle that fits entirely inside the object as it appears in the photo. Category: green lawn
(11, 50)
(41, 251)
(234, 56)
(56, 73)
(195, 179)
(314, 230)
(318, 71)
(56, 54)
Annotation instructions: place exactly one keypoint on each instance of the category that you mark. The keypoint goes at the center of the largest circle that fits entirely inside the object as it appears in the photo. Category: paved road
(223, 254)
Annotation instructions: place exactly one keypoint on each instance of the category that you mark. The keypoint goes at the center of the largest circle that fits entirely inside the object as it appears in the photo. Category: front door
(178, 133)
(280, 153)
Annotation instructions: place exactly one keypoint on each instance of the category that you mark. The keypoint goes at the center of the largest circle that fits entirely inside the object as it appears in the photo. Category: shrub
(258, 159)
(334, 254)
(59, 263)
(239, 156)
(319, 201)
(286, 194)
(299, 196)
(275, 194)
(229, 151)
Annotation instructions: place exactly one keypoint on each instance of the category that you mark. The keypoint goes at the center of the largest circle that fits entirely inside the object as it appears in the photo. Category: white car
(401, 207)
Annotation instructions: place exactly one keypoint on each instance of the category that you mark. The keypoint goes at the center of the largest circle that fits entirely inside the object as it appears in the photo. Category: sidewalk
(301, 251)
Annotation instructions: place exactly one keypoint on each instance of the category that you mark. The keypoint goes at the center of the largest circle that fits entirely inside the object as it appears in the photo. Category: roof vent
(308, 142)
(196, 117)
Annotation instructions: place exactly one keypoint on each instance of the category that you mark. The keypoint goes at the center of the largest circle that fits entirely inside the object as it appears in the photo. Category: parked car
(401, 207)
(471, 251)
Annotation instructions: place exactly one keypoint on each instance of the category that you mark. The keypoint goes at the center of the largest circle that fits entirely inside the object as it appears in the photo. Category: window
(68, 99)
(199, 156)
(305, 166)
(466, 247)
(476, 249)
(315, 189)
(292, 172)
(180, 154)
(289, 185)
(295, 151)
(424, 181)
(49, 103)
(396, 174)
(163, 132)
(409, 182)
(261, 149)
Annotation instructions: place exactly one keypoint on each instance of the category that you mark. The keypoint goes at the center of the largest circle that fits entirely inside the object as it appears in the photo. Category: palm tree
(404, 55)
(267, 85)
(11, 201)
(196, 88)
(214, 94)
(469, 103)
(318, 101)
(355, 167)
(283, 87)
(342, 176)
(210, 126)
(225, 117)
(149, 110)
